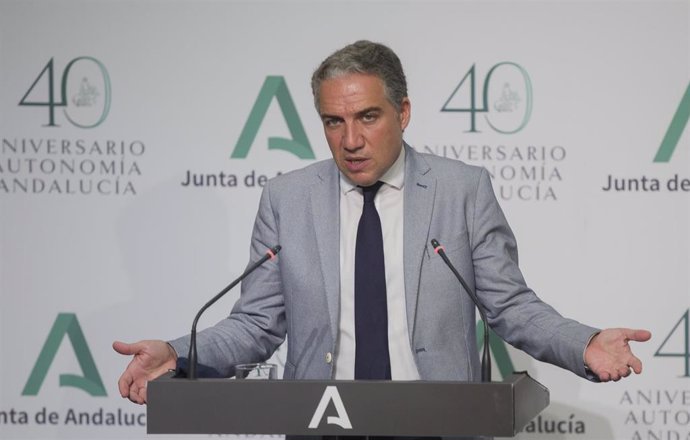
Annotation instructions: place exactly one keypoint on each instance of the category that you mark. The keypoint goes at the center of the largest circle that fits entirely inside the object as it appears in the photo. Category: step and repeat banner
(136, 137)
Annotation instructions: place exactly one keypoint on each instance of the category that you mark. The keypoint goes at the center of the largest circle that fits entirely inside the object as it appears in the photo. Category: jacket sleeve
(256, 327)
(513, 310)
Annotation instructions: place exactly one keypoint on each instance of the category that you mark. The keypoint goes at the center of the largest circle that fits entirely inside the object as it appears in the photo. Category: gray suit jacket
(298, 295)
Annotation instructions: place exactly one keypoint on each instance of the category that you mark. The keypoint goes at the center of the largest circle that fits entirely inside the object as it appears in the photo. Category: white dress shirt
(389, 204)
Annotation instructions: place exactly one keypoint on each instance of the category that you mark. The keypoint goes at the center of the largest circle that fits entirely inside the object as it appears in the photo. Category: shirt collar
(395, 176)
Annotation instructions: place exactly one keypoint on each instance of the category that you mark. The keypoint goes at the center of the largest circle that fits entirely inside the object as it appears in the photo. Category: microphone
(192, 356)
(486, 354)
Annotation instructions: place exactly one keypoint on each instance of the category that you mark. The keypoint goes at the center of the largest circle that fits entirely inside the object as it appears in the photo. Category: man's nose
(352, 137)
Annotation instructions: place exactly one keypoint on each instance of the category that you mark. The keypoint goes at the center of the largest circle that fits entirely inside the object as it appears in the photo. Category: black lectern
(306, 407)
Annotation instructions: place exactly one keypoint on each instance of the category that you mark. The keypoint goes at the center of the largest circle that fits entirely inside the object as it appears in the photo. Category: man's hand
(151, 359)
(608, 354)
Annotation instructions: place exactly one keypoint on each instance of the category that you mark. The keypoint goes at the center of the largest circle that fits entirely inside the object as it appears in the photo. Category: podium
(310, 407)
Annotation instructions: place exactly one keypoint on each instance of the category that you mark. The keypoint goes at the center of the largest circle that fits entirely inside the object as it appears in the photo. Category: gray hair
(367, 58)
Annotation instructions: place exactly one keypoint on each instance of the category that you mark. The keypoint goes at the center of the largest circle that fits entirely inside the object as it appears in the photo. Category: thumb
(127, 349)
(638, 335)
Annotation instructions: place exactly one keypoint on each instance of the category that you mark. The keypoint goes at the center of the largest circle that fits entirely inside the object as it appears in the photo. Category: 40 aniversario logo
(84, 92)
(506, 98)
(65, 154)
(663, 412)
(500, 102)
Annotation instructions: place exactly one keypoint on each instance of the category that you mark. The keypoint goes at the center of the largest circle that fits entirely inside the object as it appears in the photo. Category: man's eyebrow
(327, 116)
(361, 113)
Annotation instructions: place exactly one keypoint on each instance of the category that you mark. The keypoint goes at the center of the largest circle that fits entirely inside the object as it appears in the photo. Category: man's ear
(405, 113)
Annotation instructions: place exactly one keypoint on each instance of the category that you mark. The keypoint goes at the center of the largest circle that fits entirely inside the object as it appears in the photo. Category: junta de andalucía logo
(274, 87)
(675, 129)
(66, 325)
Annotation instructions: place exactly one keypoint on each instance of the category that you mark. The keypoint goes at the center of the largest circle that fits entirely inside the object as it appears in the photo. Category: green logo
(274, 86)
(678, 123)
(682, 333)
(507, 101)
(85, 96)
(499, 351)
(66, 324)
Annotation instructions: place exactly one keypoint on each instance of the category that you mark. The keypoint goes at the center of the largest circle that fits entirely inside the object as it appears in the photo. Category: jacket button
(329, 357)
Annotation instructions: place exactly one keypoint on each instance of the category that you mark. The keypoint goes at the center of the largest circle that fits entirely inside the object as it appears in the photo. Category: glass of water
(258, 371)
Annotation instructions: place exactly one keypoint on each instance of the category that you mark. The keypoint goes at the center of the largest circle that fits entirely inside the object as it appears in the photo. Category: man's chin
(361, 179)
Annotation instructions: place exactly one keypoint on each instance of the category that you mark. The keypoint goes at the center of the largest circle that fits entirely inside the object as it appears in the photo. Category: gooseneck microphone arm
(192, 356)
(486, 354)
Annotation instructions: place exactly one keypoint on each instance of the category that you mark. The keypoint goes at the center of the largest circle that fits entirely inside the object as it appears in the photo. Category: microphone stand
(192, 356)
(486, 353)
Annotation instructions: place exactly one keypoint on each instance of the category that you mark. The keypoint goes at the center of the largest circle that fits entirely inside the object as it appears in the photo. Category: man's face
(363, 129)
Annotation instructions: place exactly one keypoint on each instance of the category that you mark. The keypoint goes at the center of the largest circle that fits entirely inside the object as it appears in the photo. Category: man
(313, 293)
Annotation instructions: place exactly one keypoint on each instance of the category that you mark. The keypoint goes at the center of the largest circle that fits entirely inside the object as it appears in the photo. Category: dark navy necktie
(372, 360)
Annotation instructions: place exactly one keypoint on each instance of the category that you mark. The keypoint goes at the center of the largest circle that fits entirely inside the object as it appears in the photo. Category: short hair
(367, 58)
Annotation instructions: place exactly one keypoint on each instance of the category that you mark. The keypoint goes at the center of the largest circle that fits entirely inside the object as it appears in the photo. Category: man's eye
(369, 117)
(331, 122)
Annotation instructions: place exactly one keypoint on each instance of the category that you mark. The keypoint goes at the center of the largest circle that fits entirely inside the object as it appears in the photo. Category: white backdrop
(97, 228)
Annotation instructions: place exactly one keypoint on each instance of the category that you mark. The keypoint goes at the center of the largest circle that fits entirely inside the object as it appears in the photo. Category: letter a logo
(331, 395)
(298, 145)
(66, 324)
(678, 123)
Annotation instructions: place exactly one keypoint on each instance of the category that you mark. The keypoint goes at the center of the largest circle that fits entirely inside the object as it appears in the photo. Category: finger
(127, 349)
(121, 347)
(637, 335)
(636, 365)
(125, 383)
(133, 393)
(142, 394)
(137, 399)
(140, 399)
(624, 372)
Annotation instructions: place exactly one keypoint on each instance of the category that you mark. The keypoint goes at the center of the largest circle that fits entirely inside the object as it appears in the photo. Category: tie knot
(369, 192)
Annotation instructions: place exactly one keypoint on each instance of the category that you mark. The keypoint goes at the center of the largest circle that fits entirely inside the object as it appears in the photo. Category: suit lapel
(325, 207)
(420, 191)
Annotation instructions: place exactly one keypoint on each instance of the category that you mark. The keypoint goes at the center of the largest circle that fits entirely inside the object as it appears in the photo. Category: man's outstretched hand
(151, 359)
(608, 354)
